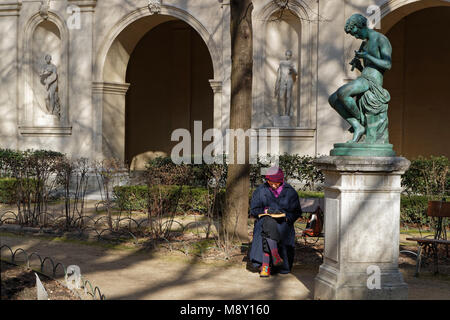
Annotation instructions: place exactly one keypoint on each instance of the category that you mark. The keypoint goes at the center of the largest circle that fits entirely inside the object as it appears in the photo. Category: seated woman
(276, 206)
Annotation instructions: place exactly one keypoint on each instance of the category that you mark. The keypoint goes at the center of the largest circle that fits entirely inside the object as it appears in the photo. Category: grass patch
(70, 240)
(310, 194)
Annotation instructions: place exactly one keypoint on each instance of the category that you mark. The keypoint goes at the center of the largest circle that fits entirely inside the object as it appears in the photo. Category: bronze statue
(363, 102)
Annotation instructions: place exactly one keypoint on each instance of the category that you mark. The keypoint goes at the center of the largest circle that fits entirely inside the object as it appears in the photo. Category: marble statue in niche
(286, 78)
(49, 78)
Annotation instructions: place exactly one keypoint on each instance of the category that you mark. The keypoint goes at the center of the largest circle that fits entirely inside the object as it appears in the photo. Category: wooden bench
(439, 211)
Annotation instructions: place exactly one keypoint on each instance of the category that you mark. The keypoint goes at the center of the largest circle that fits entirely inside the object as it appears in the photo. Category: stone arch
(168, 11)
(111, 65)
(307, 64)
(393, 11)
(419, 99)
(27, 121)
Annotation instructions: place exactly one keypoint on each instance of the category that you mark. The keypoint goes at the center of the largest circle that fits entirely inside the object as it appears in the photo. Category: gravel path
(126, 274)
(129, 274)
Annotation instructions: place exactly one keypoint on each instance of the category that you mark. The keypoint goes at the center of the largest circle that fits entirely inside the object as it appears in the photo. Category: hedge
(294, 166)
(9, 189)
(135, 198)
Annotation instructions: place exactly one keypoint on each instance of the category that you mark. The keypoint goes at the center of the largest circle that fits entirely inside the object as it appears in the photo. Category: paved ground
(124, 274)
(129, 274)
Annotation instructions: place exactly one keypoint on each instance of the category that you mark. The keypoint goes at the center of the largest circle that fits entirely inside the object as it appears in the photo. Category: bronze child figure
(363, 102)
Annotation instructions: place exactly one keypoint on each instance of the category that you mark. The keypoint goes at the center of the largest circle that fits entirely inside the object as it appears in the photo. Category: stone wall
(92, 60)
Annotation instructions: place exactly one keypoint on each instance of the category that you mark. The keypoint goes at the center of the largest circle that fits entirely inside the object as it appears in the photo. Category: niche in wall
(45, 100)
(282, 32)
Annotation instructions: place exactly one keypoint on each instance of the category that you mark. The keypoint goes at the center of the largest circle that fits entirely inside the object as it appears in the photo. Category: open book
(273, 215)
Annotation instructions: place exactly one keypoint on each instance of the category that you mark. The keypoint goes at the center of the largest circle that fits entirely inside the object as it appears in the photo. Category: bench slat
(429, 240)
(438, 209)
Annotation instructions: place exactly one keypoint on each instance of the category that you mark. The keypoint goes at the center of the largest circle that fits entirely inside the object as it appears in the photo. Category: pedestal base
(47, 121)
(362, 226)
(333, 284)
(363, 150)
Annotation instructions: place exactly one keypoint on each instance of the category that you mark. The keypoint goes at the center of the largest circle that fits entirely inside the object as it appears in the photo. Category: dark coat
(287, 202)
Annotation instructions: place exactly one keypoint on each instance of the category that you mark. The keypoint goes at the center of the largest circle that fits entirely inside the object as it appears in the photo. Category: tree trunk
(238, 179)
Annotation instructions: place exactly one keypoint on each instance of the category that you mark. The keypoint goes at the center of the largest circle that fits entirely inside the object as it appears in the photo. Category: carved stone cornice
(154, 6)
(110, 88)
(45, 131)
(43, 10)
(216, 85)
(84, 5)
(10, 8)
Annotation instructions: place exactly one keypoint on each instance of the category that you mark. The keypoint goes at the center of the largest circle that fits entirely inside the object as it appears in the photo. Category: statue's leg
(346, 95)
(344, 103)
(339, 106)
(52, 99)
(282, 110)
(289, 99)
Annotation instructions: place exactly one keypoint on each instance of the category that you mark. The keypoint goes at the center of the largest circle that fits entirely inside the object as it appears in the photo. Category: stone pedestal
(282, 121)
(362, 226)
(47, 121)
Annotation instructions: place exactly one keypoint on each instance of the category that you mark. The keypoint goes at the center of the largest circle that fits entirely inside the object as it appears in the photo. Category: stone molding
(110, 88)
(45, 131)
(363, 164)
(216, 85)
(84, 5)
(11, 8)
(290, 133)
(154, 6)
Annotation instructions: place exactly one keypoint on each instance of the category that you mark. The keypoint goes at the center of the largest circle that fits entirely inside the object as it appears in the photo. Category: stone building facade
(130, 72)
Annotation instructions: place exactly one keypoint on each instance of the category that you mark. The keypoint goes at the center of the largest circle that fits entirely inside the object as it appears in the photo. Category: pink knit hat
(275, 174)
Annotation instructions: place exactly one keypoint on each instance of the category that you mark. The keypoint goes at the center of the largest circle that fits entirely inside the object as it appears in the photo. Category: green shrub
(413, 209)
(135, 198)
(198, 175)
(294, 167)
(8, 190)
(310, 194)
(131, 198)
(428, 176)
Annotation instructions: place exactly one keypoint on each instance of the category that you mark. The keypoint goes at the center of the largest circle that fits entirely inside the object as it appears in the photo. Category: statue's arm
(294, 71)
(356, 62)
(45, 73)
(385, 60)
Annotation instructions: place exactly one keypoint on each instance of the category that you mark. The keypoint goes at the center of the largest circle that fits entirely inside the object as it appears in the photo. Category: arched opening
(169, 73)
(418, 82)
(154, 75)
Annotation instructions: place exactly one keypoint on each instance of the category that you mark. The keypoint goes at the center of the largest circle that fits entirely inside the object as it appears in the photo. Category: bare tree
(235, 217)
